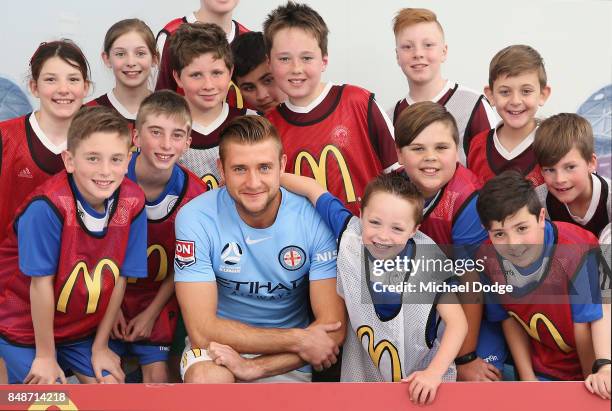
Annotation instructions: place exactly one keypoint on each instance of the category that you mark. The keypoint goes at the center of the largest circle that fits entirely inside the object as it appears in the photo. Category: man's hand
(242, 368)
(107, 360)
(478, 370)
(45, 370)
(422, 386)
(317, 348)
(599, 383)
(140, 327)
(118, 330)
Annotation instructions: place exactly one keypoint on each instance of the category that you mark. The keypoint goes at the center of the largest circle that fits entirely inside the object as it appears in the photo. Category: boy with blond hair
(202, 66)
(64, 266)
(335, 133)
(420, 48)
(148, 317)
(210, 11)
(517, 89)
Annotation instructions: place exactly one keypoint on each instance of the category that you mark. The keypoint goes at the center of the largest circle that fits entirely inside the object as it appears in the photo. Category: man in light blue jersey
(249, 257)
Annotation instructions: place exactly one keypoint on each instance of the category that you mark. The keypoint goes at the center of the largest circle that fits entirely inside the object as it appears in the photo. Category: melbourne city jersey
(262, 275)
(28, 158)
(597, 215)
(88, 267)
(201, 156)
(110, 100)
(161, 213)
(342, 139)
(471, 111)
(543, 306)
(389, 350)
(165, 80)
(487, 157)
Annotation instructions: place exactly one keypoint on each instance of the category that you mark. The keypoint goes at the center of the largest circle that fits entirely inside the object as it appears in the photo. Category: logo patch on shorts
(184, 253)
(292, 258)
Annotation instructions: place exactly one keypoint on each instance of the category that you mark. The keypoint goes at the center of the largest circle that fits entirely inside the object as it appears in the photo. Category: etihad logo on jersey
(210, 181)
(319, 169)
(532, 330)
(263, 290)
(92, 283)
(377, 350)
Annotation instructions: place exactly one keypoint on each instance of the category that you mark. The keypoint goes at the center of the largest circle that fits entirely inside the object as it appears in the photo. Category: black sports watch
(600, 362)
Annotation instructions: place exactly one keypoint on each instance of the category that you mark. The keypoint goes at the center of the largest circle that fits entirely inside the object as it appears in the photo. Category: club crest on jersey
(292, 258)
(231, 253)
(184, 253)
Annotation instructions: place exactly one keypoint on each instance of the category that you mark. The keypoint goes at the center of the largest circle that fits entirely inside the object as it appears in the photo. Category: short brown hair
(557, 135)
(504, 195)
(413, 120)
(165, 102)
(97, 119)
(399, 186)
(250, 129)
(294, 15)
(515, 60)
(128, 25)
(192, 40)
(409, 17)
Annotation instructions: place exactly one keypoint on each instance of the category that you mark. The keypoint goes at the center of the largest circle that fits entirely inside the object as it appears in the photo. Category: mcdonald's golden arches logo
(532, 330)
(93, 284)
(210, 181)
(319, 169)
(162, 270)
(377, 350)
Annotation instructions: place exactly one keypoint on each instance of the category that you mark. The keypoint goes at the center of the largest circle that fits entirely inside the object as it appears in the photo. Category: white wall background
(574, 37)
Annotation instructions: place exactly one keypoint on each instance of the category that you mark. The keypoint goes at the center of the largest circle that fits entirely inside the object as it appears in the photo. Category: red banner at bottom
(499, 396)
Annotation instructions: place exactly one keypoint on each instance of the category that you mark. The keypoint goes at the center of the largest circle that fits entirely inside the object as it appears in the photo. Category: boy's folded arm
(112, 310)
(518, 342)
(584, 346)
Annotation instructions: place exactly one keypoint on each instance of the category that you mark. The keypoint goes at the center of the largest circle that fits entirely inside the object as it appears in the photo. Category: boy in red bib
(64, 266)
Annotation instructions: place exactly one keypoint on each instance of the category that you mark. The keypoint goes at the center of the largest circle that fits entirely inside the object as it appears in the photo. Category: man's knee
(207, 372)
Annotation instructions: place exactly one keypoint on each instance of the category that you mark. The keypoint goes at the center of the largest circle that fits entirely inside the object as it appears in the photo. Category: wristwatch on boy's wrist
(467, 358)
(600, 362)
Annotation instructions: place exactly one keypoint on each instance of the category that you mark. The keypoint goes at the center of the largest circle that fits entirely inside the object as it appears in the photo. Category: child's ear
(489, 95)
(68, 160)
(283, 163)
(325, 60)
(105, 59)
(544, 94)
(136, 137)
(444, 52)
(33, 88)
(593, 163)
(416, 228)
(398, 152)
(177, 78)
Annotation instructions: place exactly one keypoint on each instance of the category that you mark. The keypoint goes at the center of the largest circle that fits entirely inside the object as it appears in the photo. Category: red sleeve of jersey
(381, 135)
(479, 121)
(165, 81)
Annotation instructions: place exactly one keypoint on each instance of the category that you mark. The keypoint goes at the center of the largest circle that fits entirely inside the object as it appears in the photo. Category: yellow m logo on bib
(93, 284)
(319, 169)
(376, 351)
